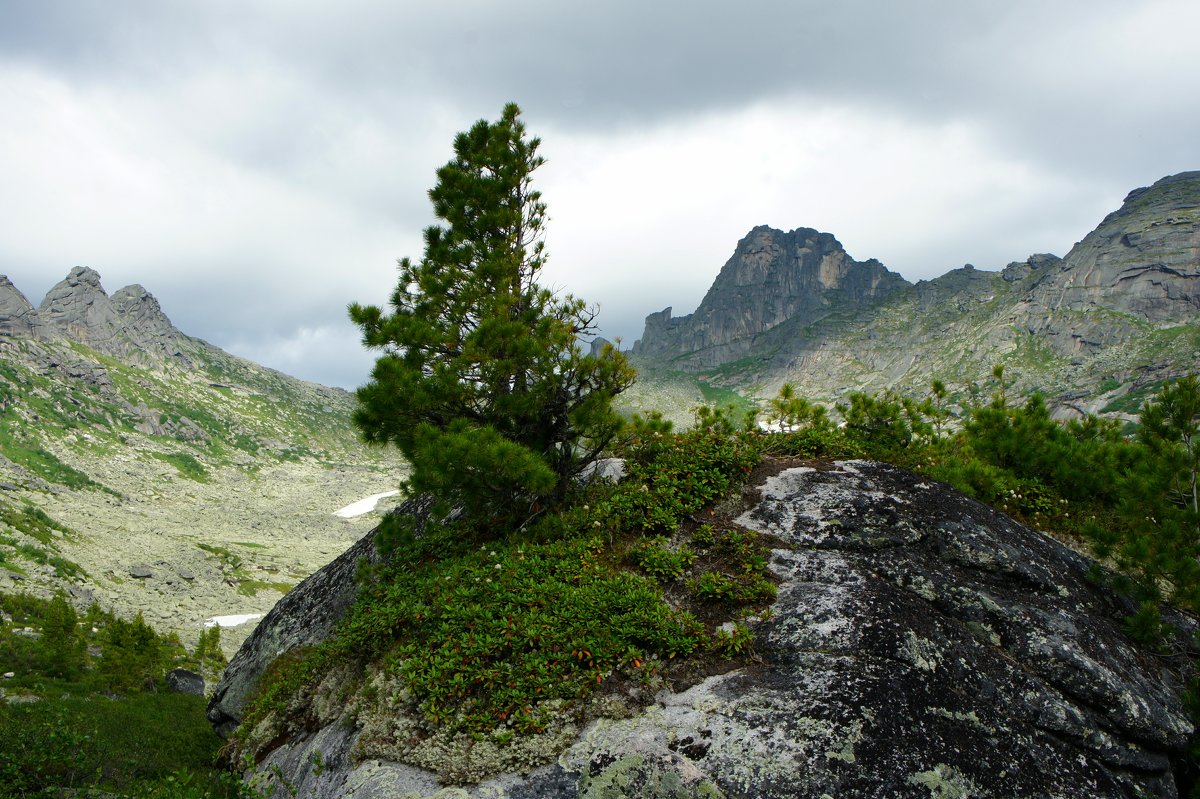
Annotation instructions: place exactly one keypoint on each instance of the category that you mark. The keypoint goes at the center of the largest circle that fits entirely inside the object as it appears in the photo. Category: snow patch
(363, 505)
(231, 621)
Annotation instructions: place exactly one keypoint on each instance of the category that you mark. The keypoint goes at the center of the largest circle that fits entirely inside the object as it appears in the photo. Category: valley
(151, 472)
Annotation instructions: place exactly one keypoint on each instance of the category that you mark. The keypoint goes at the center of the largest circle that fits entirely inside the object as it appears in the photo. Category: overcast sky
(259, 164)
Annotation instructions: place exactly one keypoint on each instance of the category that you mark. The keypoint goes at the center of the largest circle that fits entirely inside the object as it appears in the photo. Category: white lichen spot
(846, 753)
(921, 653)
(968, 718)
(922, 587)
(946, 782)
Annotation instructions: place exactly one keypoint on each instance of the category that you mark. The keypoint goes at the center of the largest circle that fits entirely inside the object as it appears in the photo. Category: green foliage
(208, 657)
(187, 465)
(657, 559)
(77, 737)
(721, 420)
(492, 631)
(482, 385)
(881, 423)
(43, 463)
(737, 641)
(34, 522)
(62, 642)
(148, 745)
(486, 636)
(1170, 429)
(791, 413)
(135, 658)
(676, 477)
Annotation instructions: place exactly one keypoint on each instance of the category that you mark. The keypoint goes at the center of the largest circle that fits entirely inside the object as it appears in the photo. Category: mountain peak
(78, 308)
(774, 277)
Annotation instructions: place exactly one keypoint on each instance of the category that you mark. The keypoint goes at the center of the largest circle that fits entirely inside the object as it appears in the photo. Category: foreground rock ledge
(922, 645)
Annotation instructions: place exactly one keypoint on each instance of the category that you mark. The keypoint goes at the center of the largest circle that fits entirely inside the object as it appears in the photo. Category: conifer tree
(1171, 429)
(482, 383)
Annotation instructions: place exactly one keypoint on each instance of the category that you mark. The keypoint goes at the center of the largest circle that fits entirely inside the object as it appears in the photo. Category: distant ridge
(1118, 314)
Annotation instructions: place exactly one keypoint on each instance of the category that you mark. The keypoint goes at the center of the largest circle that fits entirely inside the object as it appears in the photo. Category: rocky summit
(921, 645)
(773, 279)
(1096, 330)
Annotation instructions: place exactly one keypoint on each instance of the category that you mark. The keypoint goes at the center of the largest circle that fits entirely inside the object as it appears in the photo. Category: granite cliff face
(921, 645)
(1143, 259)
(772, 279)
(1114, 316)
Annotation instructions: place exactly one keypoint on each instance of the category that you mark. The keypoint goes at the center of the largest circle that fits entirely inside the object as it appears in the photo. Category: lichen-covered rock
(922, 645)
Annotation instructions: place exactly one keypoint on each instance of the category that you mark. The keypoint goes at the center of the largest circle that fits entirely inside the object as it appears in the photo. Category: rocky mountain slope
(921, 645)
(1096, 330)
(153, 472)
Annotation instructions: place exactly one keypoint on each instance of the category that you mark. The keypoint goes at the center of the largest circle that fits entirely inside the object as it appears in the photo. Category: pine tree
(1171, 429)
(64, 646)
(482, 384)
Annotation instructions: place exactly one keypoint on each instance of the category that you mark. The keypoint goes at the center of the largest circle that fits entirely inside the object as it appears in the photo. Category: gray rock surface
(78, 308)
(17, 316)
(129, 325)
(922, 645)
(1141, 260)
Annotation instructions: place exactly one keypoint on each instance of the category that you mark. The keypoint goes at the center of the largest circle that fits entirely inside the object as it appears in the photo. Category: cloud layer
(258, 168)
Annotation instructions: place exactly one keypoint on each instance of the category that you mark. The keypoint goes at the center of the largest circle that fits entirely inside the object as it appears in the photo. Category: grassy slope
(136, 465)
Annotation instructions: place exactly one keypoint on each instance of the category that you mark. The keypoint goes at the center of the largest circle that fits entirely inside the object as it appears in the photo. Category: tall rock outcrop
(921, 645)
(129, 325)
(17, 316)
(78, 308)
(1142, 260)
(773, 278)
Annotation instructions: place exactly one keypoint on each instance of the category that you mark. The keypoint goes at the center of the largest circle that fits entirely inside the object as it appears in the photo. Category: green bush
(656, 559)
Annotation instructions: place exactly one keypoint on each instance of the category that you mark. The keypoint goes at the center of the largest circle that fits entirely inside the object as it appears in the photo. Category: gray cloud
(257, 166)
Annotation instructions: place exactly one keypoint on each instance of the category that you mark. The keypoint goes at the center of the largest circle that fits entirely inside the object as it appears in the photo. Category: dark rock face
(1065, 325)
(922, 645)
(182, 681)
(772, 278)
(305, 616)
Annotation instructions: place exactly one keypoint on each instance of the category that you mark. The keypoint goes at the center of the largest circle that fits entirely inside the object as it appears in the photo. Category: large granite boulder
(922, 645)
